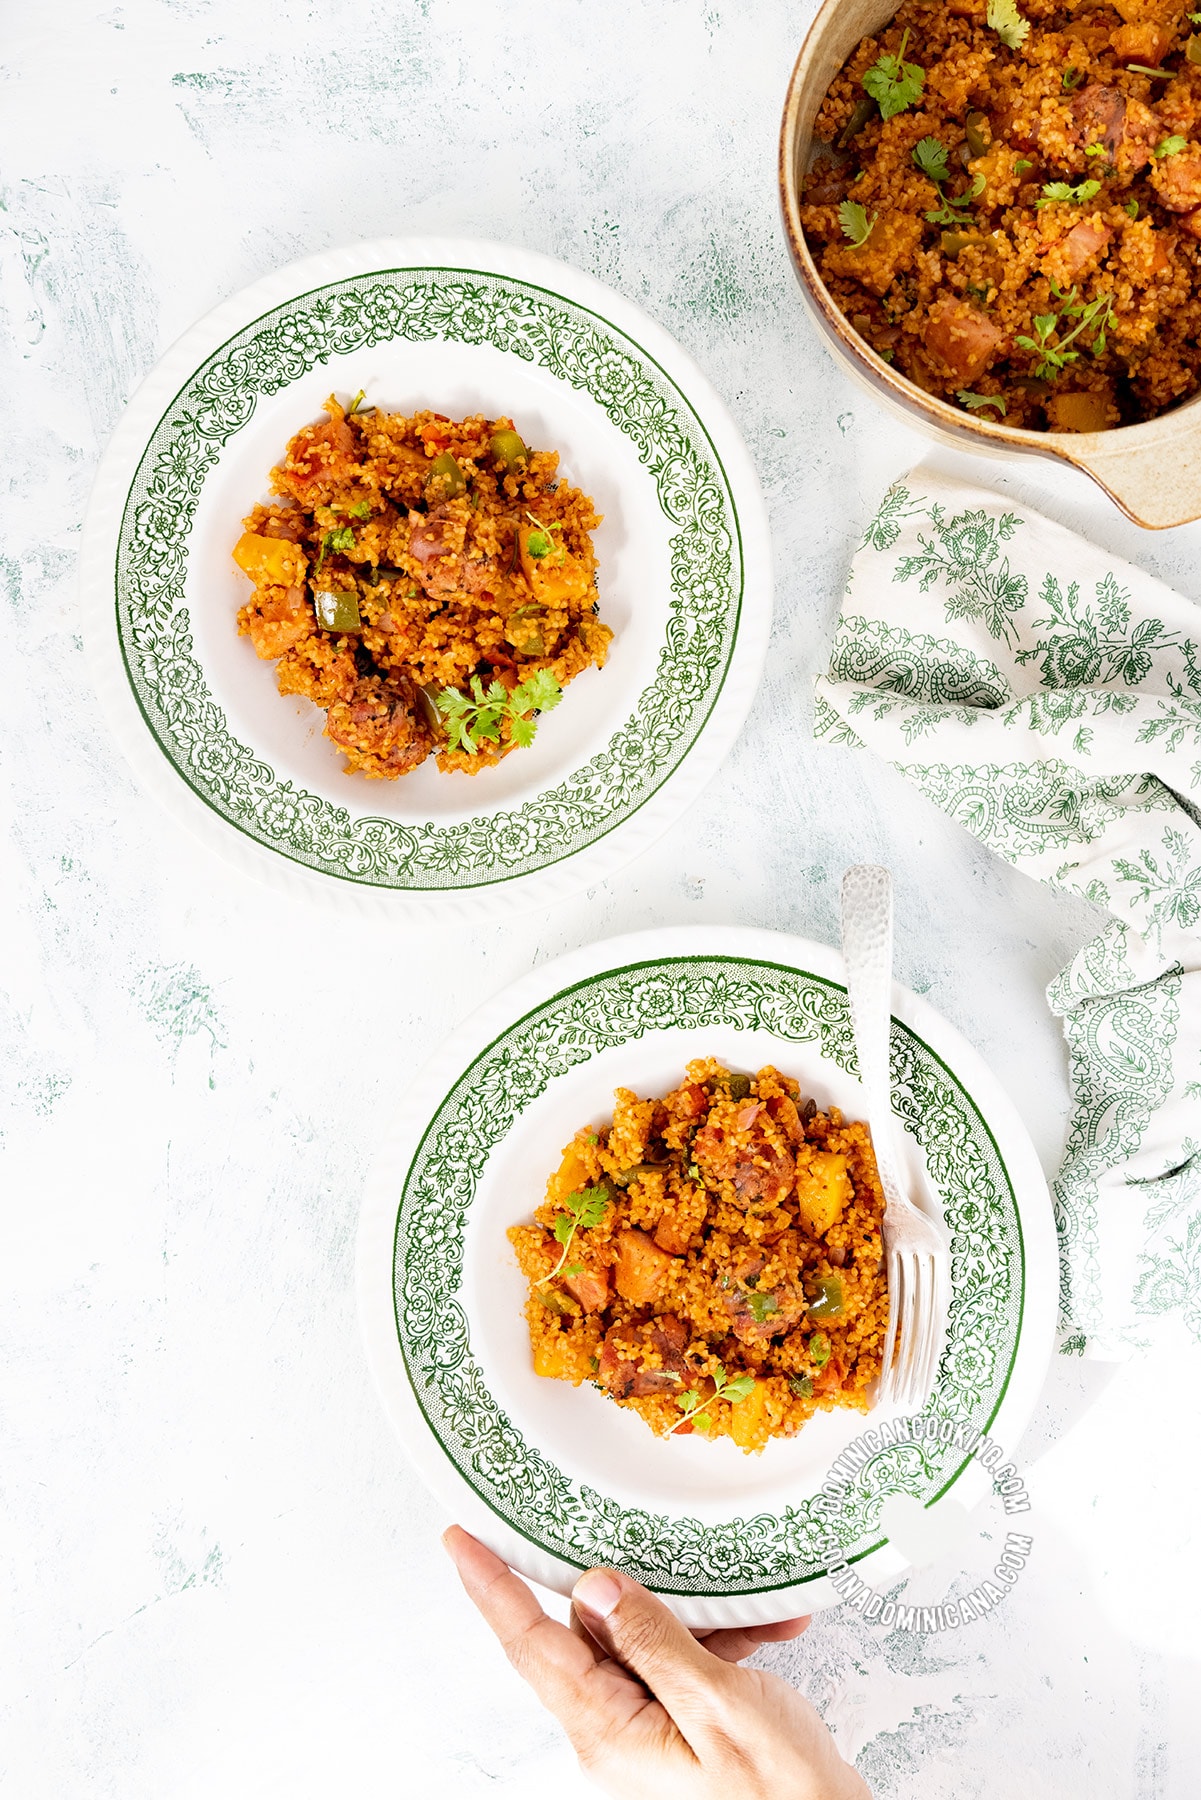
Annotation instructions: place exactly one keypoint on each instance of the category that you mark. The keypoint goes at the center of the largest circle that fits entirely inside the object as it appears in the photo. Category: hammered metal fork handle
(867, 951)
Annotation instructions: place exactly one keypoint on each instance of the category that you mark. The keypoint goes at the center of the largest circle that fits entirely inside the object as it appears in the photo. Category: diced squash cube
(641, 1266)
(554, 1355)
(750, 1419)
(554, 577)
(823, 1189)
(270, 561)
(574, 1172)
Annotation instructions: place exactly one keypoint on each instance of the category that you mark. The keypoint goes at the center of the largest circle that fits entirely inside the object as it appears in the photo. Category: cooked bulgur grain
(429, 584)
(713, 1260)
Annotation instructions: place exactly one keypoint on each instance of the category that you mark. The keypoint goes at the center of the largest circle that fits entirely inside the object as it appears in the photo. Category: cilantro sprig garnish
(693, 1407)
(476, 718)
(953, 211)
(855, 223)
(930, 156)
(1061, 192)
(1008, 23)
(1054, 358)
(893, 83)
(540, 543)
(1171, 146)
(582, 1211)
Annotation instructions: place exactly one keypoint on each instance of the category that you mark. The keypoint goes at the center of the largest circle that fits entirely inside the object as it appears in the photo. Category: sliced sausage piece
(1083, 246)
(963, 339)
(617, 1364)
(1177, 180)
(667, 1340)
(627, 1350)
(740, 1145)
(782, 1109)
(1127, 130)
(590, 1287)
(381, 725)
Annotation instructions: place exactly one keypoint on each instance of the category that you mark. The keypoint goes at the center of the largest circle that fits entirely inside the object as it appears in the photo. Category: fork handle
(867, 952)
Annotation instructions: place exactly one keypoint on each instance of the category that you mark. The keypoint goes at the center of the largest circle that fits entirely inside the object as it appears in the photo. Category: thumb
(636, 1628)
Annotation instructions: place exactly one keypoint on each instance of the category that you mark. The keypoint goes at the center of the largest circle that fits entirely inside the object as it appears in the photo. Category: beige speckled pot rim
(1152, 471)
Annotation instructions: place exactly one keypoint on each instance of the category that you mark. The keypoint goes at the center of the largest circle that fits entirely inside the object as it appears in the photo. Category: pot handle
(1153, 471)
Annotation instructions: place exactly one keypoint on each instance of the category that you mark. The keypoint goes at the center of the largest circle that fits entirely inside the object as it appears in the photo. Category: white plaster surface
(221, 1578)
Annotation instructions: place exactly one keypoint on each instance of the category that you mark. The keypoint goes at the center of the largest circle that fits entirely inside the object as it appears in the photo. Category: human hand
(652, 1711)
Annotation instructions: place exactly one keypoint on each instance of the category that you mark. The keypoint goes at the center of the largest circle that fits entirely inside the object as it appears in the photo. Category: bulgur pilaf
(713, 1260)
(429, 583)
(1008, 206)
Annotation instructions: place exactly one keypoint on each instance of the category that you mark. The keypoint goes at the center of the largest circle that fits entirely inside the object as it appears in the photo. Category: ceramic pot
(1152, 471)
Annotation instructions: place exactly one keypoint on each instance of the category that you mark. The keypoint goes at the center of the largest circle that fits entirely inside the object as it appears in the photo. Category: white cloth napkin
(1048, 696)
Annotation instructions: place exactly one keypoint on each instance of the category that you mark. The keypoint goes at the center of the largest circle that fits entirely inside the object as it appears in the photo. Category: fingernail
(597, 1592)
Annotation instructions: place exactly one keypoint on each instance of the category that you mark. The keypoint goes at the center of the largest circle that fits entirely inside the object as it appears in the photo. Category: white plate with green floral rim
(684, 575)
(557, 1478)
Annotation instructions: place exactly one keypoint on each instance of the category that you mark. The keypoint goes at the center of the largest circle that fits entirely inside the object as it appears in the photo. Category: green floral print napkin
(1048, 696)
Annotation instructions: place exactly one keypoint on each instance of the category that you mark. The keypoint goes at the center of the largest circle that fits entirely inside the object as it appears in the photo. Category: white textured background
(224, 1581)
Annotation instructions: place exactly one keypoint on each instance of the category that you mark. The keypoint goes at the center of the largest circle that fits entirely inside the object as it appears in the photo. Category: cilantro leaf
(740, 1389)
(1008, 23)
(975, 401)
(855, 223)
(540, 692)
(930, 156)
(893, 83)
(1171, 146)
(340, 540)
(588, 1205)
(1062, 191)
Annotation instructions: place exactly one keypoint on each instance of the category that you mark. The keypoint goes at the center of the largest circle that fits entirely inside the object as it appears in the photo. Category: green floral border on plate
(569, 1520)
(424, 305)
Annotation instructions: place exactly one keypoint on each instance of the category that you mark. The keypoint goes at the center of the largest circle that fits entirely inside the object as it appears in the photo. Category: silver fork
(918, 1258)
